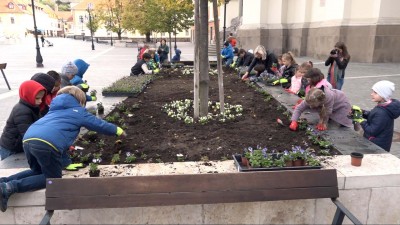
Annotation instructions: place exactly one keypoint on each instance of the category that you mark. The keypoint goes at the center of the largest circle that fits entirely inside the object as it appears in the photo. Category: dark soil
(155, 137)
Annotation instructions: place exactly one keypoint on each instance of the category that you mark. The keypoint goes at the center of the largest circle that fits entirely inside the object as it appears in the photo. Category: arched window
(10, 5)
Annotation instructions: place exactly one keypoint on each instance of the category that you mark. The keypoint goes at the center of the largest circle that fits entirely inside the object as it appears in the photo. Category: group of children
(149, 60)
(44, 124)
(324, 95)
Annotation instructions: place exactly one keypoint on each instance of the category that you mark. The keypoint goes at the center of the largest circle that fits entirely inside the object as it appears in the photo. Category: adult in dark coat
(261, 56)
(245, 58)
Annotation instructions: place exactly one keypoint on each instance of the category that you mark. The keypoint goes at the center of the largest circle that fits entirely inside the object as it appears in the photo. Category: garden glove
(93, 93)
(293, 125)
(74, 166)
(359, 120)
(233, 65)
(94, 98)
(120, 132)
(222, 56)
(321, 127)
(156, 71)
(84, 87)
(280, 81)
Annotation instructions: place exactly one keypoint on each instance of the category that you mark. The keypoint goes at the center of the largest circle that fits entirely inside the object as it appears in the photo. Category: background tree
(137, 17)
(219, 60)
(109, 13)
(94, 25)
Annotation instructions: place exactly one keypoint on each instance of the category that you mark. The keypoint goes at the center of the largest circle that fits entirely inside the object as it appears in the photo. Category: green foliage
(130, 84)
(143, 156)
(85, 158)
(204, 158)
(115, 159)
(109, 13)
(130, 158)
(158, 160)
(101, 143)
(171, 16)
(93, 167)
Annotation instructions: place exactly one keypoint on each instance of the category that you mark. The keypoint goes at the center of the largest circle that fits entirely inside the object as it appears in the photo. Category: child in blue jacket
(378, 124)
(82, 68)
(48, 138)
(227, 54)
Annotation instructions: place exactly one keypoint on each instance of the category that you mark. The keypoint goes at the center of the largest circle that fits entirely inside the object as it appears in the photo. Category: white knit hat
(69, 69)
(384, 89)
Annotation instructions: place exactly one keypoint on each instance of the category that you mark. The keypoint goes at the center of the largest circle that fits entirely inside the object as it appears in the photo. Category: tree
(219, 66)
(110, 13)
(136, 17)
(94, 24)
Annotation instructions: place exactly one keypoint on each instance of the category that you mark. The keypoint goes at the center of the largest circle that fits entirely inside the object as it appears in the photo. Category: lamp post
(226, 2)
(39, 59)
(111, 31)
(175, 47)
(90, 6)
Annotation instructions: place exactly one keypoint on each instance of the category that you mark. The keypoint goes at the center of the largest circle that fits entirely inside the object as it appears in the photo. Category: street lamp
(111, 31)
(175, 47)
(83, 31)
(226, 2)
(90, 7)
(39, 59)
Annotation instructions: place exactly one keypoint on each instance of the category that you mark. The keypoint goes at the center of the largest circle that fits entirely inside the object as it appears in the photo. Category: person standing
(163, 51)
(337, 61)
(42, 39)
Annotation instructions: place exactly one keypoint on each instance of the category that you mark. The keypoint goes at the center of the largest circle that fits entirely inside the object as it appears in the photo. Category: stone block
(181, 214)
(7, 217)
(287, 212)
(324, 211)
(112, 216)
(33, 215)
(382, 206)
(357, 202)
(232, 213)
(34, 198)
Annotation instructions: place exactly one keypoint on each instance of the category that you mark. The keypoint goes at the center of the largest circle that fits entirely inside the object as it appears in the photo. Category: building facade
(369, 28)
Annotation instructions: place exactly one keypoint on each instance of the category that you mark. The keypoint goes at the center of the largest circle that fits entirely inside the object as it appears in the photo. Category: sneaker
(3, 197)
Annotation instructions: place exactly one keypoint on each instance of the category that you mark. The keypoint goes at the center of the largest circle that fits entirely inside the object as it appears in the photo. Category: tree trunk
(147, 36)
(203, 58)
(119, 32)
(219, 62)
(170, 49)
(196, 61)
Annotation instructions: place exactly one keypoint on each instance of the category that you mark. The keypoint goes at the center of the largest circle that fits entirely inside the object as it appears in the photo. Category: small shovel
(280, 122)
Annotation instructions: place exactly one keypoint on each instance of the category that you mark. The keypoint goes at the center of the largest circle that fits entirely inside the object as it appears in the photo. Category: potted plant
(93, 170)
(356, 158)
(100, 108)
(287, 158)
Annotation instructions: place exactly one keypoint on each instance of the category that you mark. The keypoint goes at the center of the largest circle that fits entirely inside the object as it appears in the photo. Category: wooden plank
(185, 198)
(3, 66)
(191, 183)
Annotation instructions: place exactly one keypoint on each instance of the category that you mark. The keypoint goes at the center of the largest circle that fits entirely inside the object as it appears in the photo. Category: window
(11, 5)
(12, 20)
(187, 32)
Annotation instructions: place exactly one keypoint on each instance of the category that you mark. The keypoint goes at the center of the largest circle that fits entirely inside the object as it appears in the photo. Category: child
(177, 56)
(315, 78)
(290, 69)
(57, 85)
(23, 114)
(68, 72)
(298, 81)
(154, 61)
(227, 54)
(378, 124)
(47, 82)
(48, 138)
(330, 103)
(141, 66)
(244, 58)
(261, 56)
(82, 68)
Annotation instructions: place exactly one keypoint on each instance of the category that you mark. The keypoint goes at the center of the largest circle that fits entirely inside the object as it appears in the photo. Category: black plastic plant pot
(357, 155)
(95, 173)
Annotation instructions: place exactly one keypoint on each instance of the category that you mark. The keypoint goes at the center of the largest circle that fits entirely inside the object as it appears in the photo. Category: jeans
(4, 153)
(228, 61)
(44, 162)
(339, 83)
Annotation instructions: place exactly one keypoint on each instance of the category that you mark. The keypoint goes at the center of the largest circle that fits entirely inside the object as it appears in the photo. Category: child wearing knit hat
(378, 124)
(68, 72)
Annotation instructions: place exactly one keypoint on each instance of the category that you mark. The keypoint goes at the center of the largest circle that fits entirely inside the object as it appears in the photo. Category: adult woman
(261, 57)
(337, 62)
(163, 51)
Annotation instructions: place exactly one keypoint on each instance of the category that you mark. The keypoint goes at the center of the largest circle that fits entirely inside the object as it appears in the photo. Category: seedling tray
(238, 163)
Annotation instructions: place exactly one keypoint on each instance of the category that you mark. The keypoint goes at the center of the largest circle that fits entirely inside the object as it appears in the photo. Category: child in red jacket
(23, 114)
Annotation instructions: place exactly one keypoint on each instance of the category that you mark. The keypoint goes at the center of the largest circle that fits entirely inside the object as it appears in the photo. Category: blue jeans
(44, 161)
(228, 61)
(4, 153)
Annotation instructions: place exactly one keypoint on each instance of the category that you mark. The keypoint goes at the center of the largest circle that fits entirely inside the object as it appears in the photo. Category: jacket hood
(178, 52)
(45, 80)
(64, 101)
(392, 108)
(28, 91)
(82, 67)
